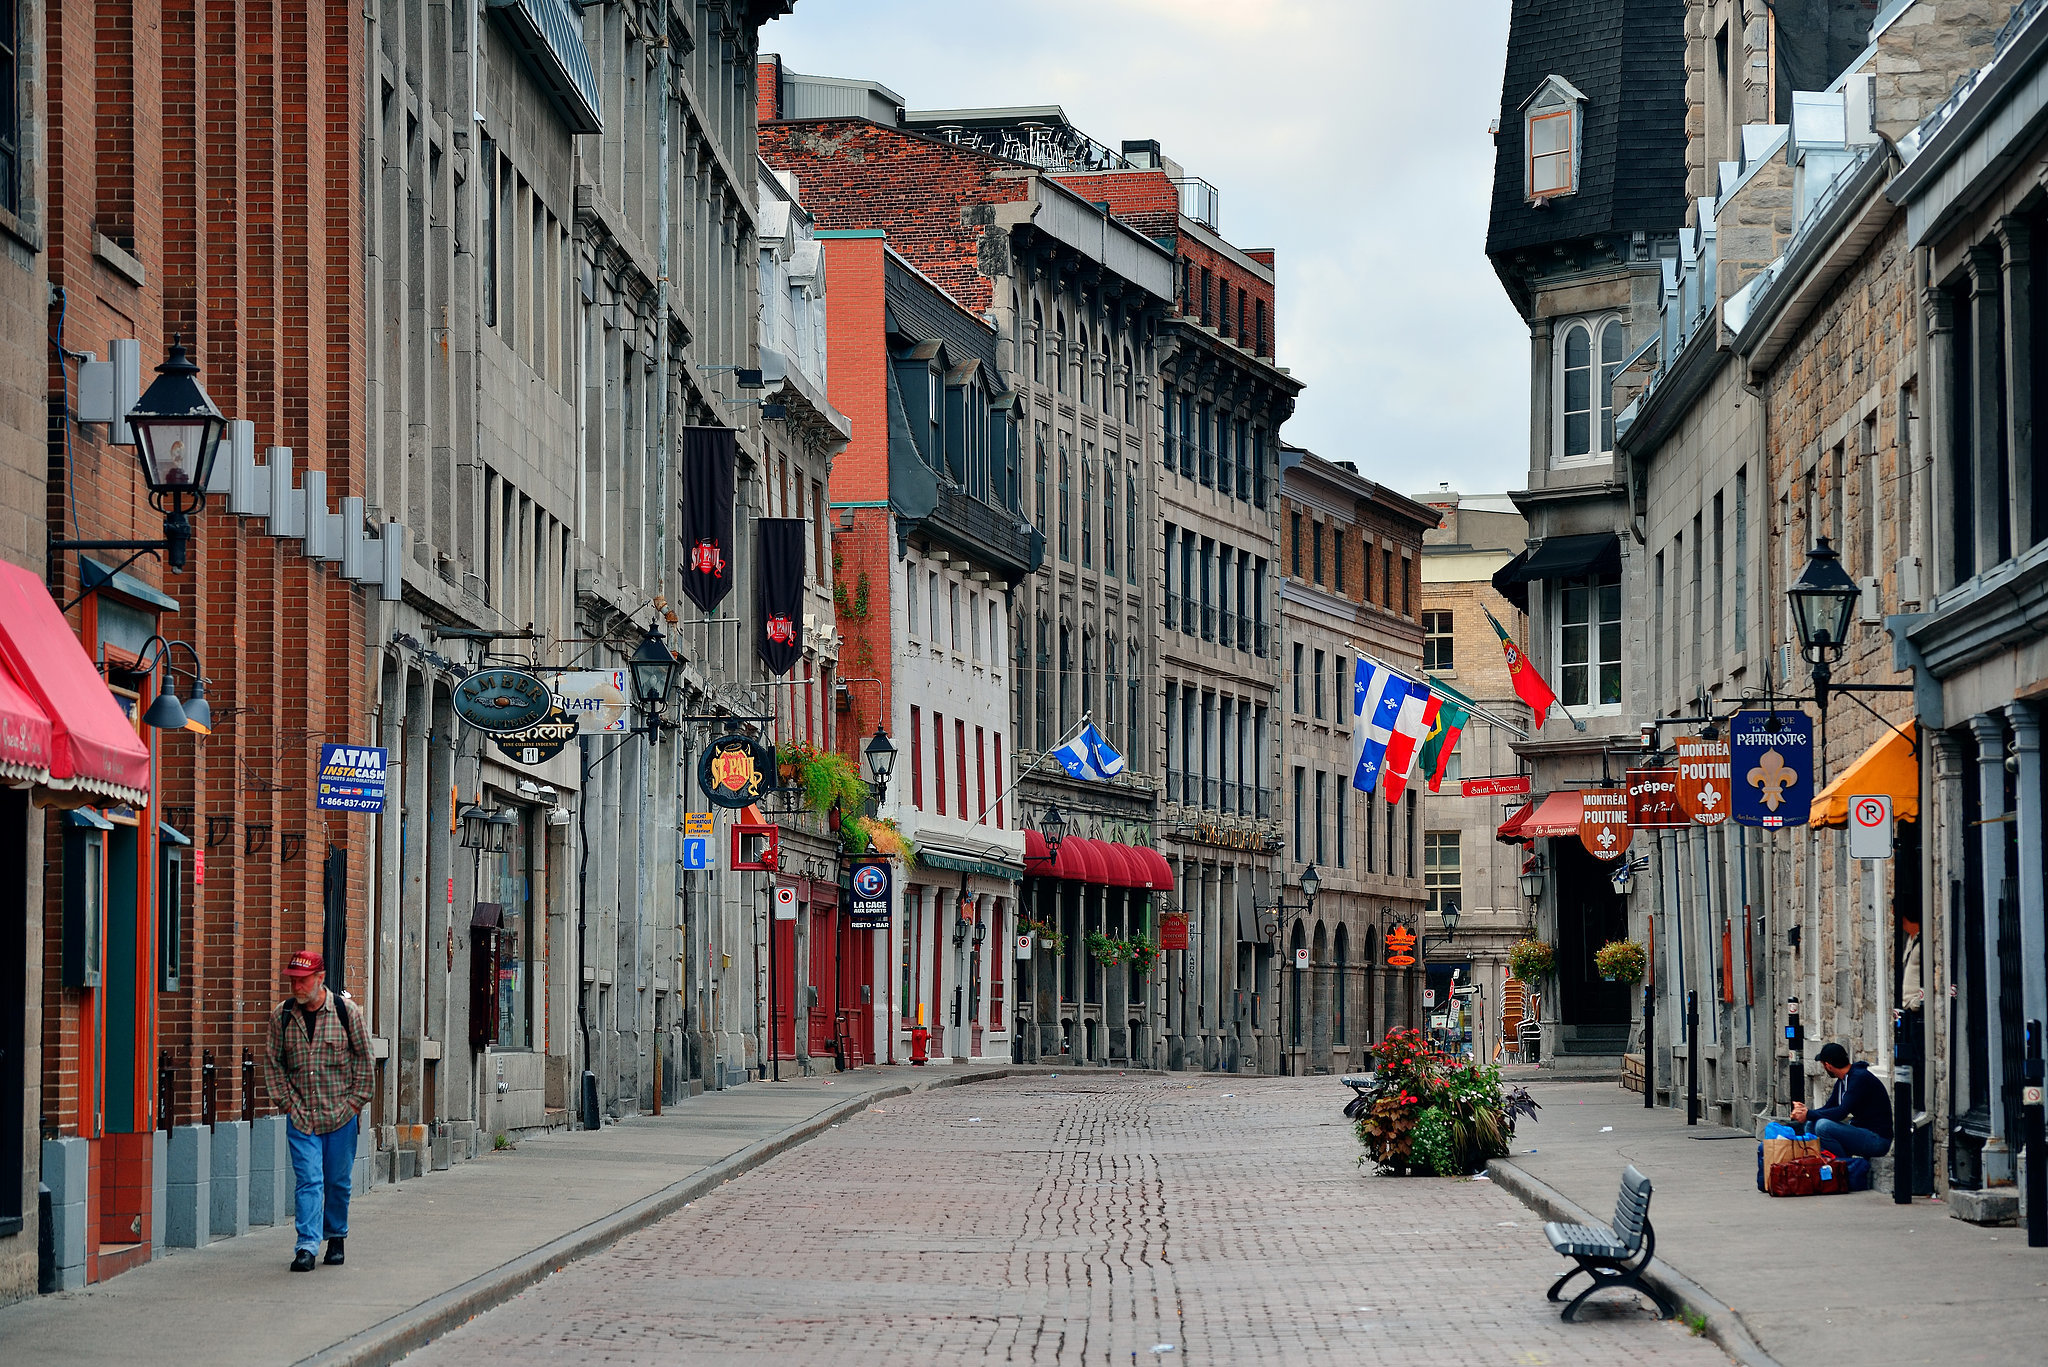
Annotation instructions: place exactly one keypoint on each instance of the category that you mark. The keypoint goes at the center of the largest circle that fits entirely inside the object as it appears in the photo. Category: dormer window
(1552, 121)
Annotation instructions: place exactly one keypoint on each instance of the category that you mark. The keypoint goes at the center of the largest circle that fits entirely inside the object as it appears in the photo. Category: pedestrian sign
(696, 852)
(1870, 826)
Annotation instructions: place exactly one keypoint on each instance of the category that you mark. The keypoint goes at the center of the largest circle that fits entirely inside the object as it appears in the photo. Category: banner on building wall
(1603, 822)
(873, 893)
(1703, 779)
(1771, 768)
(707, 460)
(779, 591)
(1653, 799)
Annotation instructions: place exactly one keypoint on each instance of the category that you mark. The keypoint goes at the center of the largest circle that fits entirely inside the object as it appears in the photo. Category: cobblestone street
(1102, 1218)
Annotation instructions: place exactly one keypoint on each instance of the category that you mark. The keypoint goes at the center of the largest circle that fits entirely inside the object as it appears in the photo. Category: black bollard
(2037, 1145)
(248, 1086)
(166, 1089)
(1905, 1147)
(1692, 1058)
(1649, 1047)
(591, 1119)
(206, 1086)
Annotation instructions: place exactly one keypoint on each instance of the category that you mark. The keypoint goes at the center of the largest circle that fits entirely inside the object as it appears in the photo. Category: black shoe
(334, 1254)
(302, 1261)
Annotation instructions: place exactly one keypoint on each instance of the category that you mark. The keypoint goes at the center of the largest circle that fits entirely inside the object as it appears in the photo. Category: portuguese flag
(1455, 710)
(1529, 685)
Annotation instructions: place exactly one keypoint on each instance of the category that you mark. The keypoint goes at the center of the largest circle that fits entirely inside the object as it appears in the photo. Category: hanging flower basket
(1620, 961)
(1531, 960)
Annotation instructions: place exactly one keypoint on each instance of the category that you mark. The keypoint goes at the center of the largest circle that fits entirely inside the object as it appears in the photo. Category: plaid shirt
(324, 1081)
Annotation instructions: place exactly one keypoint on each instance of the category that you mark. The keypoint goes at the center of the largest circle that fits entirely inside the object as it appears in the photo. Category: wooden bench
(1616, 1256)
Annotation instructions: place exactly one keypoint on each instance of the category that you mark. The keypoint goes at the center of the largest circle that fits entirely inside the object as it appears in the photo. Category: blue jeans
(325, 1166)
(1849, 1141)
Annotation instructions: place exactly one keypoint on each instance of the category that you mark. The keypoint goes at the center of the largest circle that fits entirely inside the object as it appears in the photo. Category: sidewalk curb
(1724, 1324)
(389, 1340)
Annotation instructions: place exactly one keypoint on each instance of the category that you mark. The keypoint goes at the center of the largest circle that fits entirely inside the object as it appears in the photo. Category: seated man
(1857, 1121)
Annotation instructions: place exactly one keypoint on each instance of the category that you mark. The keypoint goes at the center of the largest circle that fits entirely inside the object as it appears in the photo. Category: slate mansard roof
(1628, 58)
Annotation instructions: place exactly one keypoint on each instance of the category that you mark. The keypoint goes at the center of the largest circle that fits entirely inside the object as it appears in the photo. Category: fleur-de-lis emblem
(1773, 776)
(1606, 838)
(1710, 796)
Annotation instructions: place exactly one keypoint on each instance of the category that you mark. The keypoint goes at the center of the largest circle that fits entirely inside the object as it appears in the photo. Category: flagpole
(1086, 719)
(1555, 701)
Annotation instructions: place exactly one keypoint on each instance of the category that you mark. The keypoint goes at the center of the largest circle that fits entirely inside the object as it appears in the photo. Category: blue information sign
(873, 889)
(696, 852)
(351, 778)
(1771, 761)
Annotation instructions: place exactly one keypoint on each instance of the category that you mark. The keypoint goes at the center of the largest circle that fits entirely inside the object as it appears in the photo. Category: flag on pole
(1451, 719)
(1411, 727)
(1377, 693)
(1529, 685)
(1089, 756)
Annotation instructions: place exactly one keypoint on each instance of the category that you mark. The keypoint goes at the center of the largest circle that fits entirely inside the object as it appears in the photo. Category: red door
(784, 1043)
(824, 977)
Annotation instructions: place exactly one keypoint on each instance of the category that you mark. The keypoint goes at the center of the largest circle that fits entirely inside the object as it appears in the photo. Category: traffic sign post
(1870, 826)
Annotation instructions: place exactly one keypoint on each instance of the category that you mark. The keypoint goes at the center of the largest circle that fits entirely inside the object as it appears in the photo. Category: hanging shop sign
(351, 779)
(1173, 931)
(502, 700)
(1603, 822)
(873, 881)
(597, 698)
(1653, 799)
(1400, 946)
(1703, 779)
(1771, 768)
(1511, 785)
(541, 741)
(734, 771)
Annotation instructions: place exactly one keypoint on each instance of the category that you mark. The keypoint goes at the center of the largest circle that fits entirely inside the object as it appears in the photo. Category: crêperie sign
(502, 700)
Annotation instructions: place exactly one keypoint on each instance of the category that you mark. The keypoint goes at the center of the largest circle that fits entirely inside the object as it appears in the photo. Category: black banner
(708, 455)
(779, 591)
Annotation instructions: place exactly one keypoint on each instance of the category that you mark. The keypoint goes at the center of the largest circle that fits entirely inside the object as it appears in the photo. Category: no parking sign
(1870, 827)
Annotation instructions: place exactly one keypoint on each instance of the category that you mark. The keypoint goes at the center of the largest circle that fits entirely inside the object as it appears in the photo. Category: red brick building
(224, 213)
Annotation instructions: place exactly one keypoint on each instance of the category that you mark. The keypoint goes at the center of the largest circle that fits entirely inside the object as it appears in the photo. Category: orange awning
(1888, 768)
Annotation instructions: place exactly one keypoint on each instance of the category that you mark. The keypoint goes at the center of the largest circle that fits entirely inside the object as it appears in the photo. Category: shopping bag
(1775, 1129)
(1784, 1149)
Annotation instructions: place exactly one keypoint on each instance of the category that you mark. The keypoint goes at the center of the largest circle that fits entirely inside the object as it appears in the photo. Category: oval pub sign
(502, 700)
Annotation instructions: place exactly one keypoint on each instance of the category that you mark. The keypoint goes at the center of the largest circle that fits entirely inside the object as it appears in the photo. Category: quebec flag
(1089, 756)
(1377, 693)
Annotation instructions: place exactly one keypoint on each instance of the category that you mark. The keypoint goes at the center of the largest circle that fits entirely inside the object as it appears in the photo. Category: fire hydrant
(918, 1036)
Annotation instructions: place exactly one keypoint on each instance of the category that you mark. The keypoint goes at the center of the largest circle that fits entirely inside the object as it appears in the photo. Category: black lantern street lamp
(167, 712)
(881, 754)
(1823, 604)
(1053, 827)
(1311, 885)
(653, 667)
(476, 821)
(177, 433)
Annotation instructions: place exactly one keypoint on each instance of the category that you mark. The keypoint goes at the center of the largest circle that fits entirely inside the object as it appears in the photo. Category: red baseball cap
(305, 964)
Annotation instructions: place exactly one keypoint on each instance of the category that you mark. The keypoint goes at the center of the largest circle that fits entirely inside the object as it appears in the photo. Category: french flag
(1377, 693)
(1411, 728)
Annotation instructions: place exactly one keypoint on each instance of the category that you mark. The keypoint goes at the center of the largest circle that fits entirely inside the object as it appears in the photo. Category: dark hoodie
(1860, 1100)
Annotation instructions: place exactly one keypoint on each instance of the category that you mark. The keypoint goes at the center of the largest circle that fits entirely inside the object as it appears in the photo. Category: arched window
(1085, 358)
(1037, 340)
(1110, 700)
(1059, 350)
(1589, 351)
(1108, 380)
(1066, 678)
(1340, 985)
(1130, 387)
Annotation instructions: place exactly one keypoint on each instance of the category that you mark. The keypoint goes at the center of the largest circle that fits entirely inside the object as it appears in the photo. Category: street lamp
(1053, 827)
(653, 667)
(1311, 884)
(177, 436)
(881, 755)
(167, 712)
(1532, 877)
(1823, 603)
(1286, 914)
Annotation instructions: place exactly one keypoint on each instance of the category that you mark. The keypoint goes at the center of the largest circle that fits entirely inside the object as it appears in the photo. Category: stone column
(1116, 985)
(1990, 738)
(2026, 729)
(2017, 239)
(1539, 392)
(1987, 510)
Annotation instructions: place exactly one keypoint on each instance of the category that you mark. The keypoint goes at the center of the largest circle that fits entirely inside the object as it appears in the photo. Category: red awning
(1158, 873)
(92, 745)
(1557, 814)
(1079, 862)
(1035, 853)
(1510, 831)
(26, 736)
(1125, 871)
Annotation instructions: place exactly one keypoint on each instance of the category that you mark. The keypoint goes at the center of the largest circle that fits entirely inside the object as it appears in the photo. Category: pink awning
(92, 746)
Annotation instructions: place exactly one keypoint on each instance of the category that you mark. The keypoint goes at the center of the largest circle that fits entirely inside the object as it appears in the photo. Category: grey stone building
(1588, 195)
(563, 260)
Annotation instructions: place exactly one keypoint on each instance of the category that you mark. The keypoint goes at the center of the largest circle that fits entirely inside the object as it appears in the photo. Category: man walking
(319, 1066)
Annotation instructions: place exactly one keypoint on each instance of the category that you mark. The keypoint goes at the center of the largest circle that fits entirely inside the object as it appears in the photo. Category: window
(1322, 822)
(1039, 478)
(1130, 399)
(1206, 434)
(1087, 503)
(916, 759)
(1343, 824)
(1066, 678)
(1131, 526)
(1134, 704)
(1300, 784)
(1038, 347)
(12, 83)
(939, 761)
(1294, 543)
(973, 620)
(1437, 655)
(1259, 327)
(953, 615)
(1550, 126)
(1315, 534)
(1042, 704)
(932, 600)
(1187, 583)
(1589, 352)
(1337, 558)
(1300, 652)
(960, 766)
(1109, 518)
(487, 228)
(1059, 351)
(1320, 659)
(910, 602)
(1407, 586)
(1440, 871)
(1589, 642)
(1066, 484)
(1386, 579)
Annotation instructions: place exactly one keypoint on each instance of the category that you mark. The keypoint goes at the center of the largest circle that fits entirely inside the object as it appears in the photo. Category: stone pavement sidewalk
(1820, 1280)
(427, 1254)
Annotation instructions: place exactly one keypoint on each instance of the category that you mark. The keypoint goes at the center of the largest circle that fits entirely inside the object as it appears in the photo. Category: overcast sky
(1349, 135)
